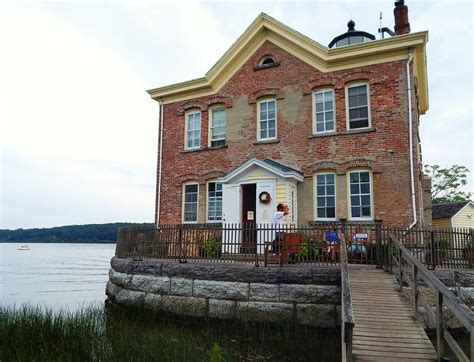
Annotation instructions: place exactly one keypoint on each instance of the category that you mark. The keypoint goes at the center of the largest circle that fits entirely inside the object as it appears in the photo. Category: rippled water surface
(54, 275)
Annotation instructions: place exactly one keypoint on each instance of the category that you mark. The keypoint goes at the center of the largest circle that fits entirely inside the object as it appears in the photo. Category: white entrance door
(230, 217)
(265, 213)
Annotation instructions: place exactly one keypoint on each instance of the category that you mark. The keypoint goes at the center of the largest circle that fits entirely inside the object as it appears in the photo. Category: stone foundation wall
(308, 295)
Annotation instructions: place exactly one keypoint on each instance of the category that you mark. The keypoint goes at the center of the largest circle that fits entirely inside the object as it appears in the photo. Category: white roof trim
(292, 175)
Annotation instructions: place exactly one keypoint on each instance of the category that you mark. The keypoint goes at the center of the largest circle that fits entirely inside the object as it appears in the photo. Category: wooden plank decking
(385, 328)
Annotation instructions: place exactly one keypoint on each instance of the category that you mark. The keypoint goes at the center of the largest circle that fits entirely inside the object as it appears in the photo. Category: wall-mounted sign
(250, 215)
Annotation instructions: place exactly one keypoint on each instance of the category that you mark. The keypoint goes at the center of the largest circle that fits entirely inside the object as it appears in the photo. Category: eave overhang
(264, 28)
(290, 175)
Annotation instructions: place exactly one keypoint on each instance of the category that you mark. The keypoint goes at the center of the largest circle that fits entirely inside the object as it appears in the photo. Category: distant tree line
(91, 233)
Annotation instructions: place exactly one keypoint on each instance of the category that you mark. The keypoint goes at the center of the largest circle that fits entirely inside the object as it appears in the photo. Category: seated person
(332, 239)
(359, 243)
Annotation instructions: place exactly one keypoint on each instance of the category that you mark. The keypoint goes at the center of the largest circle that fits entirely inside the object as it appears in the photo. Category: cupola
(352, 36)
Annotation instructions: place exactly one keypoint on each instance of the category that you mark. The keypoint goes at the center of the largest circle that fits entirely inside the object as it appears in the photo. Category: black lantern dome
(350, 37)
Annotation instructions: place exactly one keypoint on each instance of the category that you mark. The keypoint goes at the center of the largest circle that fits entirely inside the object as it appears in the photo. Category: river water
(71, 276)
(57, 276)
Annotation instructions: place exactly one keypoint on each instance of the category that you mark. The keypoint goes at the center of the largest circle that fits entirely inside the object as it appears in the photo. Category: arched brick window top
(364, 163)
(191, 105)
(211, 175)
(367, 77)
(324, 166)
(267, 92)
(342, 167)
(226, 101)
(321, 82)
(201, 178)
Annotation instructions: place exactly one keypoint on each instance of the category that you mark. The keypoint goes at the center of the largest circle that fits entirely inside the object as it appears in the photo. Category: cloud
(66, 99)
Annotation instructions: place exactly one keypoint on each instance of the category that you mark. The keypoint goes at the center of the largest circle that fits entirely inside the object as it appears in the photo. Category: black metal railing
(451, 248)
(267, 244)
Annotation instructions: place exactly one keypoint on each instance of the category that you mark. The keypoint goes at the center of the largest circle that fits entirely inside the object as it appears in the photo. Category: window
(214, 201)
(323, 111)
(193, 130)
(359, 191)
(190, 204)
(326, 196)
(267, 119)
(267, 61)
(218, 123)
(358, 106)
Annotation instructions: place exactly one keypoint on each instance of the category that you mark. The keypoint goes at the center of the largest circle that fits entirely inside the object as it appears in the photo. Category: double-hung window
(326, 196)
(323, 111)
(358, 106)
(193, 130)
(267, 119)
(360, 195)
(190, 203)
(214, 201)
(218, 124)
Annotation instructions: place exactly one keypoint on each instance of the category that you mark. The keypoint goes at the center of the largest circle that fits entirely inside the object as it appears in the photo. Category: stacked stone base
(306, 295)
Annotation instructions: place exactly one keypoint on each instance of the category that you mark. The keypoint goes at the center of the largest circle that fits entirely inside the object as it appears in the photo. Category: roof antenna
(384, 30)
(380, 27)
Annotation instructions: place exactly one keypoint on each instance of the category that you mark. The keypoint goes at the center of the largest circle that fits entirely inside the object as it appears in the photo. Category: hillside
(90, 233)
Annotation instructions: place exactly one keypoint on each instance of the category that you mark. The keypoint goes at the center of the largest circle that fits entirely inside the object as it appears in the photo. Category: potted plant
(310, 248)
(211, 248)
(468, 252)
(441, 251)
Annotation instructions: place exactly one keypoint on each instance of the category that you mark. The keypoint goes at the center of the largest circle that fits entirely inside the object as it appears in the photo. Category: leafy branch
(447, 183)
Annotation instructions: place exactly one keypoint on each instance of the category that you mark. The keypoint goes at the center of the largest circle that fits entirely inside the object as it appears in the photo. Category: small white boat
(24, 247)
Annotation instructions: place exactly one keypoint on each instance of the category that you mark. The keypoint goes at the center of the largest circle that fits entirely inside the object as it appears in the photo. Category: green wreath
(264, 198)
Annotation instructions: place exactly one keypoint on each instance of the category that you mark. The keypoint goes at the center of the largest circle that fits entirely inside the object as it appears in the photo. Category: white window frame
(265, 100)
(184, 202)
(188, 113)
(213, 108)
(352, 85)
(371, 195)
(315, 188)
(207, 200)
(323, 90)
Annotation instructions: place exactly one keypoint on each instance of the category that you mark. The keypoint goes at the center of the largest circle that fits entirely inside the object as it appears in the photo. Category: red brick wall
(294, 80)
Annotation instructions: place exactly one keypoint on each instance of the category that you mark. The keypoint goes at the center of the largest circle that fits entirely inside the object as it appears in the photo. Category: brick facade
(383, 148)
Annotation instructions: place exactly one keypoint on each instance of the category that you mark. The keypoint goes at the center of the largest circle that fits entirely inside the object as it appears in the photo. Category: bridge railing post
(378, 243)
(472, 343)
(390, 255)
(415, 290)
(400, 268)
(439, 325)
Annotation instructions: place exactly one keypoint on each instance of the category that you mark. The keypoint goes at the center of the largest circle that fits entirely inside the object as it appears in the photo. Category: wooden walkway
(385, 328)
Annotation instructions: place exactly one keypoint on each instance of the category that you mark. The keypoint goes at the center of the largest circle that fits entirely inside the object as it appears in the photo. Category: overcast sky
(78, 132)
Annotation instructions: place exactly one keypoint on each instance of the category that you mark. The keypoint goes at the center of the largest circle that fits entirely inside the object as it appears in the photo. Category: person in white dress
(282, 211)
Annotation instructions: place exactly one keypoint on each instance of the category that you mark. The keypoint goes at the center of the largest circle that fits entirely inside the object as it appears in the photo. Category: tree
(447, 183)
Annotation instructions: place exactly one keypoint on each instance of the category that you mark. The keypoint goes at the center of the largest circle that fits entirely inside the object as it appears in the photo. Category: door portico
(252, 192)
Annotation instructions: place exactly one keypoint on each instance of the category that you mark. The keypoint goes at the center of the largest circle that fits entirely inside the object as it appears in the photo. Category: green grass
(119, 334)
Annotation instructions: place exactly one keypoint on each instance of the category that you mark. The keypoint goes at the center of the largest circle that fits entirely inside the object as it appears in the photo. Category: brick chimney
(402, 26)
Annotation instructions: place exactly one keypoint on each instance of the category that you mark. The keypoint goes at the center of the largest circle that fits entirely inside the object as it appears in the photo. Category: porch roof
(272, 166)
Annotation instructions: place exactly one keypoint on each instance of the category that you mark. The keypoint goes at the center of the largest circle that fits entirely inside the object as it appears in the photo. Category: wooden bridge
(377, 325)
